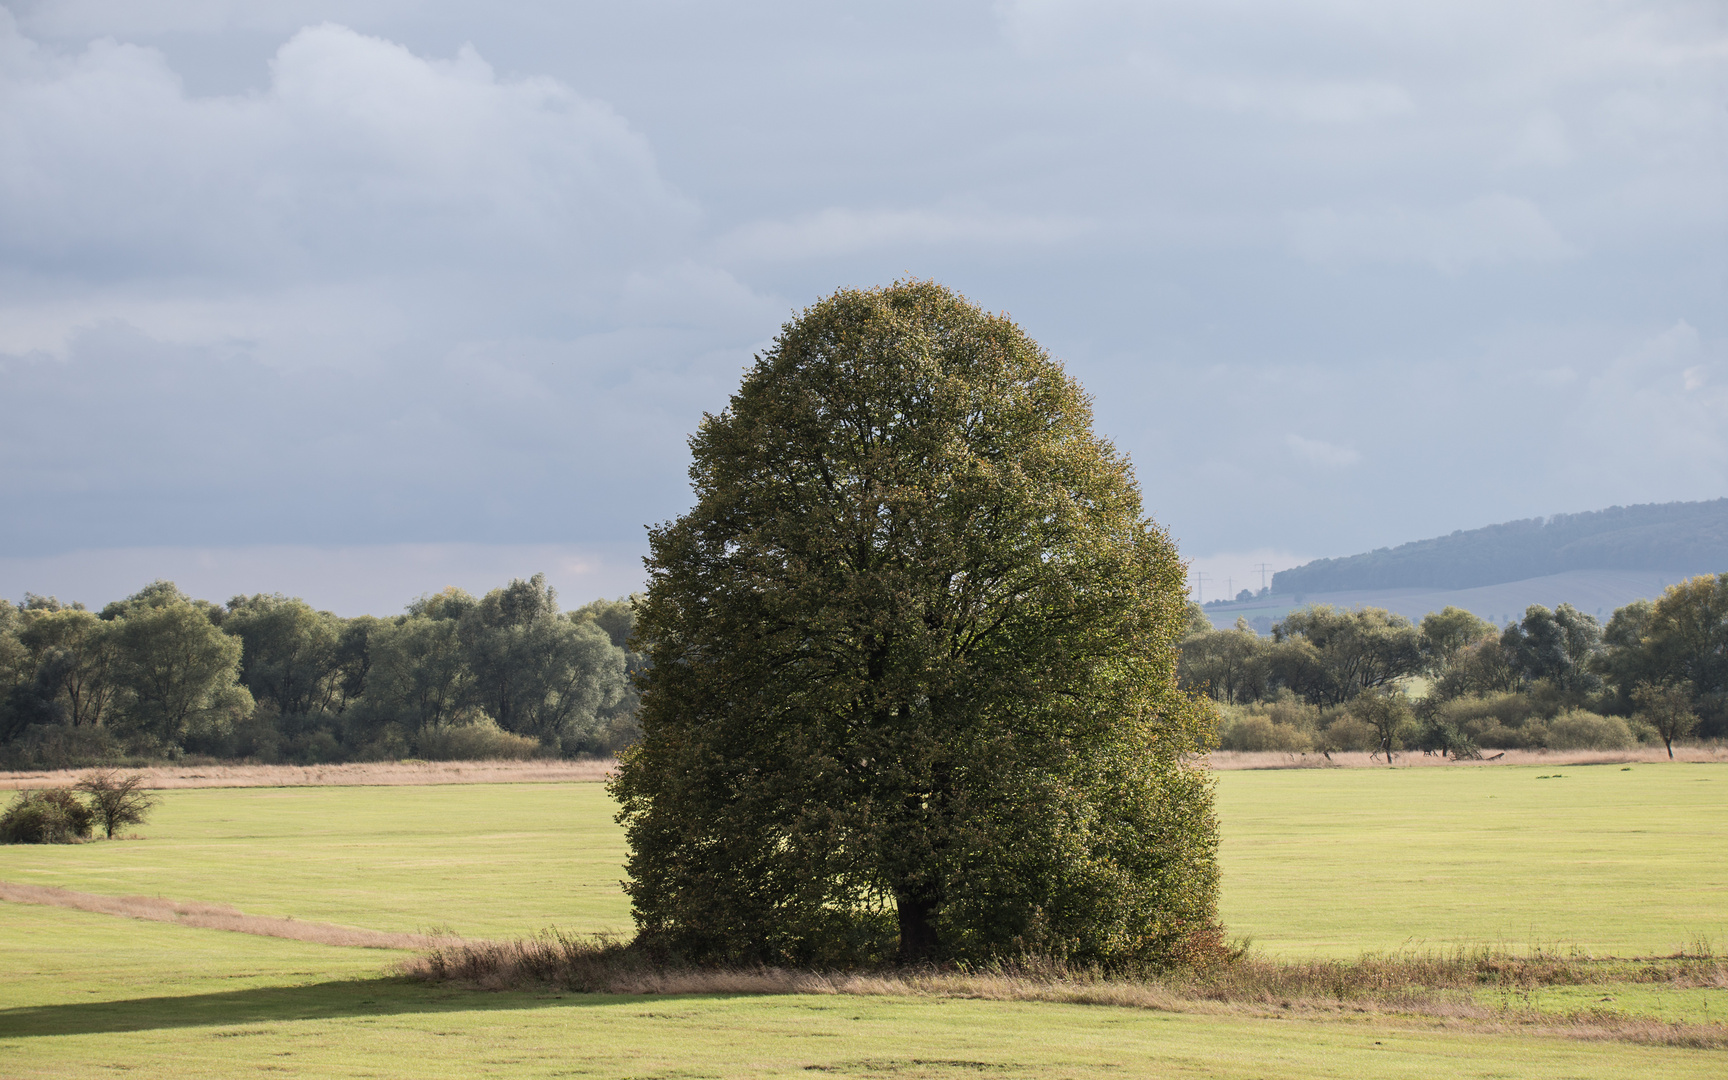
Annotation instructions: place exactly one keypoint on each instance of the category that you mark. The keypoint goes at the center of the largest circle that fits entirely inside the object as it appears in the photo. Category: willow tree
(912, 690)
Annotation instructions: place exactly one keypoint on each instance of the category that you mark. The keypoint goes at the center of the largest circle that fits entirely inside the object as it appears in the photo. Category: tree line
(1366, 679)
(268, 677)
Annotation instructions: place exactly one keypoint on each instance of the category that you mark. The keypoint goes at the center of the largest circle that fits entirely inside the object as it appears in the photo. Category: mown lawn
(485, 860)
(1333, 862)
(1612, 860)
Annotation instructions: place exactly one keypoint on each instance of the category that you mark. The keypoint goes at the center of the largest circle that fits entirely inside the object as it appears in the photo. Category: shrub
(1349, 733)
(49, 816)
(1254, 732)
(1580, 730)
(481, 740)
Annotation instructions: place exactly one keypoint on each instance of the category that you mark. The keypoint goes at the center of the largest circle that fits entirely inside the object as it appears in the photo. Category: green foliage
(474, 737)
(269, 678)
(1679, 641)
(1668, 709)
(1577, 729)
(290, 653)
(1255, 731)
(116, 801)
(45, 816)
(178, 666)
(1555, 646)
(1389, 716)
(1229, 665)
(1330, 655)
(1447, 632)
(912, 688)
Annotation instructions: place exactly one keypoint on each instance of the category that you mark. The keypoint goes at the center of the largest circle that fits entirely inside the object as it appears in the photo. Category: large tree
(912, 688)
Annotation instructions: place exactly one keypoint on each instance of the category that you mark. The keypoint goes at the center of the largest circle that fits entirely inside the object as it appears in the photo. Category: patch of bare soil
(212, 917)
(372, 773)
(1276, 759)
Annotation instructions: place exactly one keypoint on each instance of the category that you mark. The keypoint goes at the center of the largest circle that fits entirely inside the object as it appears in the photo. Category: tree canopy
(912, 665)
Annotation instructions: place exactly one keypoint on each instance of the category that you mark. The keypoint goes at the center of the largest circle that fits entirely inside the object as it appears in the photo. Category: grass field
(1615, 860)
(1328, 862)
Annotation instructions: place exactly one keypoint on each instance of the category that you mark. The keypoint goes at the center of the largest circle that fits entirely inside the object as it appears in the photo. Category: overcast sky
(356, 300)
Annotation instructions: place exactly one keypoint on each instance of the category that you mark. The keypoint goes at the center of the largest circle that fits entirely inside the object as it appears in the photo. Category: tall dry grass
(1440, 986)
(1279, 759)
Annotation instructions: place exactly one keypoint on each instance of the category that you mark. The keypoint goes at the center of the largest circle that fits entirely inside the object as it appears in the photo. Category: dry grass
(1278, 759)
(1441, 988)
(362, 774)
(215, 917)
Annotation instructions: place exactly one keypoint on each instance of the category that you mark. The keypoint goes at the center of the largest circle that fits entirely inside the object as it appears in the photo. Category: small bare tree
(116, 800)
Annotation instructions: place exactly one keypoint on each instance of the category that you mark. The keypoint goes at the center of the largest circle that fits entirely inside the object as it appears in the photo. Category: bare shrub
(116, 800)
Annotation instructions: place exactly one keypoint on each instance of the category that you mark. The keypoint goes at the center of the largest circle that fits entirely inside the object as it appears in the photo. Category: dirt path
(211, 917)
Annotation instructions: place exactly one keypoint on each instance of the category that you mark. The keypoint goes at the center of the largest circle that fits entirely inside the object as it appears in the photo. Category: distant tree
(1446, 632)
(417, 669)
(534, 672)
(1329, 655)
(1198, 621)
(1245, 596)
(1668, 709)
(618, 619)
(289, 654)
(1685, 643)
(1624, 662)
(1389, 714)
(179, 666)
(912, 684)
(116, 801)
(76, 657)
(1229, 665)
(1482, 667)
(1557, 646)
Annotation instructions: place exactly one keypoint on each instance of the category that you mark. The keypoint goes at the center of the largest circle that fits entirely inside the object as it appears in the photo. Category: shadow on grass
(319, 1001)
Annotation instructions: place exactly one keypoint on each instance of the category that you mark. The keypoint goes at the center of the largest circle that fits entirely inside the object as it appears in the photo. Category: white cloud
(1488, 230)
(1322, 453)
(360, 157)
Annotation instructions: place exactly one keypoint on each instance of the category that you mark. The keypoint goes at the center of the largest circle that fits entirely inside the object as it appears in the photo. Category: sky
(357, 300)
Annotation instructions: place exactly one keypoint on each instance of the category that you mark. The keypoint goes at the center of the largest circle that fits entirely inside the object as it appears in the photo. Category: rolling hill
(1679, 538)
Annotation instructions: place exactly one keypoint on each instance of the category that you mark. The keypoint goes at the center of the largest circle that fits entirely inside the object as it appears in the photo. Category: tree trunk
(1669, 743)
(918, 942)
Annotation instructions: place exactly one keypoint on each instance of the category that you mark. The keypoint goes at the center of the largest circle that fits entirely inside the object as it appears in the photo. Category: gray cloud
(1339, 274)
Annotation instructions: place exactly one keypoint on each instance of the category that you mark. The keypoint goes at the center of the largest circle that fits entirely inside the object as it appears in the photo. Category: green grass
(295, 1011)
(1339, 861)
(1670, 1004)
(482, 859)
(52, 956)
(1329, 862)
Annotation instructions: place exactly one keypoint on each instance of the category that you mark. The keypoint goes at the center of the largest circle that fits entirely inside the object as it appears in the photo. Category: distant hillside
(1685, 537)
